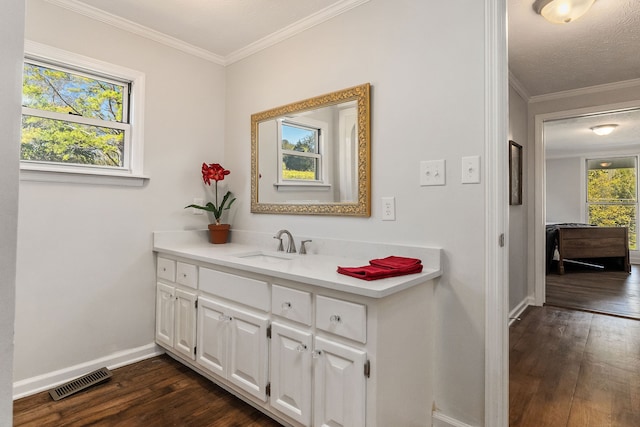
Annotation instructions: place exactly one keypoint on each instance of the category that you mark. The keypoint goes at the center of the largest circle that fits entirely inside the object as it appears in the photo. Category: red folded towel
(395, 262)
(384, 267)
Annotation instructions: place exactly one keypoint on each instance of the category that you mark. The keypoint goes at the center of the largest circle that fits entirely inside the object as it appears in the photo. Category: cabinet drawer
(166, 269)
(186, 274)
(291, 304)
(251, 292)
(342, 318)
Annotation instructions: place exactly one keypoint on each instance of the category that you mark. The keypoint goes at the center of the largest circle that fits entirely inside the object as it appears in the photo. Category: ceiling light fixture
(562, 11)
(605, 164)
(602, 130)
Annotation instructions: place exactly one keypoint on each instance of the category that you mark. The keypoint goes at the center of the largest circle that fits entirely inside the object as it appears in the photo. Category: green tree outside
(57, 140)
(299, 167)
(611, 198)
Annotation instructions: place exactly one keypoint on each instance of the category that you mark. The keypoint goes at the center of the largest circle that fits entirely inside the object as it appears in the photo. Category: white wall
(427, 76)
(518, 245)
(11, 42)
(85, 275)
(564, 187)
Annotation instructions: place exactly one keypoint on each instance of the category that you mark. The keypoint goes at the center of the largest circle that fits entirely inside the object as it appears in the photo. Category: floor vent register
(81, 383)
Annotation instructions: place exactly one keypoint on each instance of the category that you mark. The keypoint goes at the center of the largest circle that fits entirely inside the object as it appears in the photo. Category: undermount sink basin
(265, 256)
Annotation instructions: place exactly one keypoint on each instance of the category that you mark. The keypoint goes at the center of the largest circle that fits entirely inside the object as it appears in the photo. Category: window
(78, 116)
(301, 151)
(612, 194)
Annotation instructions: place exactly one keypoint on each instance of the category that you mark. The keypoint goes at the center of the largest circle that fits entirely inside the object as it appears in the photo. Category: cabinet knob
(184, 274)
(301, 348)
(164, 268)
(225, 318)
(335, 318)
(316, 354)
(286, 305)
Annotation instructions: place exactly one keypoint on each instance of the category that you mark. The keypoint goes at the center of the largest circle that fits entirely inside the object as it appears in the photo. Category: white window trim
(585, 183)
(323, 127)
(133, 175)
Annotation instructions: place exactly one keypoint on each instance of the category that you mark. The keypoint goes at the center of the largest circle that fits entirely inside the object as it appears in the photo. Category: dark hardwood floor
(574, 369)
(155, 392)
(610, 291)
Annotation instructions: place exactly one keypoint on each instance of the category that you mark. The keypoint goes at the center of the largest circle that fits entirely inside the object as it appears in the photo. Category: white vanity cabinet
(291, 369)
(232, 343)
(308, 355)
(175, 311)
(339, 384)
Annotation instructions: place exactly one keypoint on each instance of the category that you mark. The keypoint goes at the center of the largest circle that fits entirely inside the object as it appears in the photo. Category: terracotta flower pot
(219, 233)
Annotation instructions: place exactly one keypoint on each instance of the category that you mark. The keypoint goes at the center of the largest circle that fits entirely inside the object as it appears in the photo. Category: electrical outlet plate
(388, 208)
(197, 201)
(432, 172)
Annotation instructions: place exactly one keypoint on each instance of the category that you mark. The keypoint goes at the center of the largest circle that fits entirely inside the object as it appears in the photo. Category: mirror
(313, 156)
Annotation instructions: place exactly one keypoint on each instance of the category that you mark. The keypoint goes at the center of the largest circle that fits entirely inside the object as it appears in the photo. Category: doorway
(566, 143)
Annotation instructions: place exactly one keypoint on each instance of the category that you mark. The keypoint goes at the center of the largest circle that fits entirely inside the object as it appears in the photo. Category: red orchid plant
(215, 172)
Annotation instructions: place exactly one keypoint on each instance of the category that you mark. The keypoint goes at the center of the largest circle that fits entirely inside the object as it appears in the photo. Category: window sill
(286, 186)
(82, 177)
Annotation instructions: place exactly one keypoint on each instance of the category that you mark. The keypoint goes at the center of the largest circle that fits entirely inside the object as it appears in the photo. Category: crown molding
(625, 84)
(274, 38)
(293, 29)
(141, 30)
(518, 87)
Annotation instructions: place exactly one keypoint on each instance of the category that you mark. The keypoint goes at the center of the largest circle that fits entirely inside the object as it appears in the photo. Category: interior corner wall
(518, 217)
(427, 76)
(11, 46)
(85, 285)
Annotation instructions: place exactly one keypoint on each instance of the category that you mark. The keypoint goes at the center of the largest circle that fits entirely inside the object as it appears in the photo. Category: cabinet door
(213, 332)
(248, 355)
(291, 372)
(185, 325)
(340, 385)
(165, 296)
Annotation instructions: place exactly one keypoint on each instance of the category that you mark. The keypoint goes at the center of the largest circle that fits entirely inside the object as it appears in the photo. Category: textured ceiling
(603, 46)
(573, 136)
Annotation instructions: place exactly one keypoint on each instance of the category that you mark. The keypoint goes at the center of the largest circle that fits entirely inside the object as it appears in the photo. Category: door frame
(540, 195)
(496, 365)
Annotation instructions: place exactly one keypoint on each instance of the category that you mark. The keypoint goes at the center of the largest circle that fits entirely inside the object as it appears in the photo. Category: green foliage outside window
(298, 167)
(612, 200)
(60, 137)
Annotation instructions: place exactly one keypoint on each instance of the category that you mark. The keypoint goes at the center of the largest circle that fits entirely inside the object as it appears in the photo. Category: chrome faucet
(303, 248)
(291, 245)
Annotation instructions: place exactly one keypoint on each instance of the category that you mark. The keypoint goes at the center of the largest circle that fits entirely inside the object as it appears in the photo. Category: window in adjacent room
(77, 115)
(612, 196)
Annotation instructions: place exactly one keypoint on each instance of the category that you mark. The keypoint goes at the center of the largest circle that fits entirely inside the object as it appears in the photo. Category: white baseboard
(442, 420)
(49, 380)
(517, 311)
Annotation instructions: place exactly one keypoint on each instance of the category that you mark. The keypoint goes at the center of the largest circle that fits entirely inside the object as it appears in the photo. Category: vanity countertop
(313, 268)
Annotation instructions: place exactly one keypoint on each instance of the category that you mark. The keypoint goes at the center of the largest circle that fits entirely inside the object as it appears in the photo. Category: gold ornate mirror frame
(361, 207)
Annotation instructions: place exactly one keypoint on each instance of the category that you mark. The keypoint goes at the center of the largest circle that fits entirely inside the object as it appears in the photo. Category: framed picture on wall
(515, 173)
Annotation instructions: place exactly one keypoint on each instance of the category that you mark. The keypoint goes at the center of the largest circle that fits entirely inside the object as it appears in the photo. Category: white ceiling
(219, 30)
(572, 136)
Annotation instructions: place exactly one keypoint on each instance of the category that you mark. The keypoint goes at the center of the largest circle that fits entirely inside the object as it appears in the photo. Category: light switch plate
(432, 172)
(471, 170)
